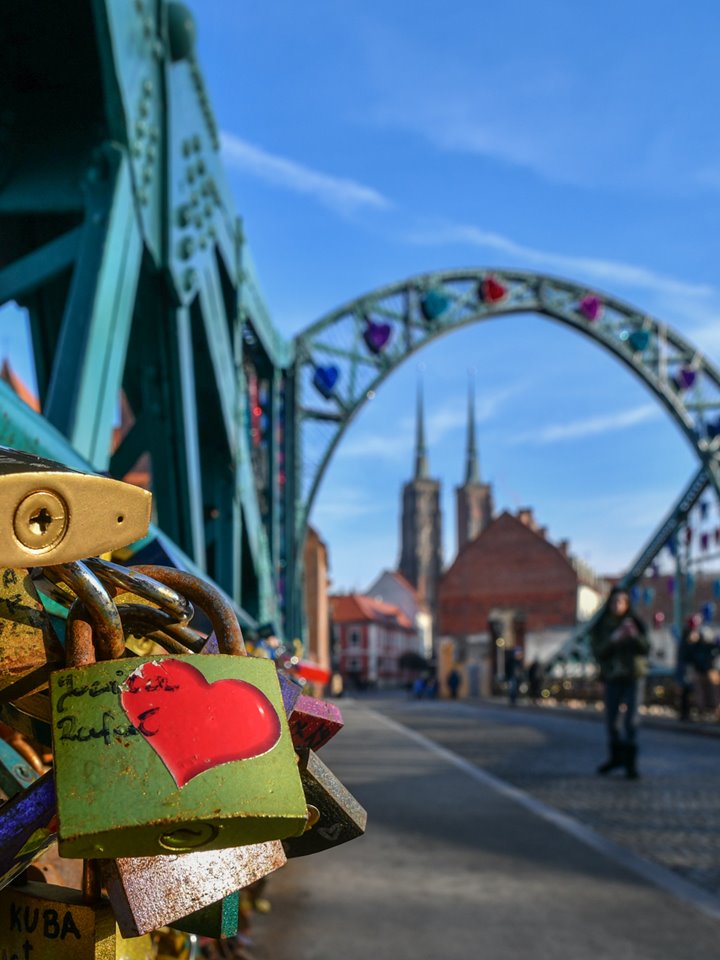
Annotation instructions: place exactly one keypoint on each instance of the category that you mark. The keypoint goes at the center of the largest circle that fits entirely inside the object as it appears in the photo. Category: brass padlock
(139, 765)
(41, 919)
(55, 515)
(151, 892)
(338, 816)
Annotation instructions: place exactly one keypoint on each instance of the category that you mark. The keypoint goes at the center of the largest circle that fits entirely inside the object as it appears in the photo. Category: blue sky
(366, 142)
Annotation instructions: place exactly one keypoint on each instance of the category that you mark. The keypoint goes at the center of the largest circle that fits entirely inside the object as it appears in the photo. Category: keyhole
(40, 523)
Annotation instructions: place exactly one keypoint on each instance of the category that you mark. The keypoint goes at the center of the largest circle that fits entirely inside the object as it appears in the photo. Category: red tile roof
(357, 608)
(13, 380)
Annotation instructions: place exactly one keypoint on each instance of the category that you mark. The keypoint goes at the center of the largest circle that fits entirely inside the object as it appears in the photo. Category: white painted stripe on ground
(659, 876)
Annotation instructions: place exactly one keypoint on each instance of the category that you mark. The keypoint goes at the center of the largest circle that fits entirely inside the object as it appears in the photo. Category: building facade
(369, 637)
(393, 588)
(513, 575)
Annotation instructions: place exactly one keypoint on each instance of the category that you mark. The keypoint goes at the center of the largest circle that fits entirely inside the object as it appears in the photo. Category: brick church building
(508, 576)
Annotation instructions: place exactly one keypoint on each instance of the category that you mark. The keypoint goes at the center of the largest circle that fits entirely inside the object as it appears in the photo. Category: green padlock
(164, 755)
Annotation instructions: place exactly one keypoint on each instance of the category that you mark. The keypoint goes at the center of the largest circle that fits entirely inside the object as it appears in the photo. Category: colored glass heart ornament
(324, 380)
(639, 340)
(591, 307)
(376, 336)
(685, 378)
(194, 725)
(433, 304)
(491, 290)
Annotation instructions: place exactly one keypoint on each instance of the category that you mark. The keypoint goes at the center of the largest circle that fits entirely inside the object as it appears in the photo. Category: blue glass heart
(639, 339)
(433, 304)
(325, 379)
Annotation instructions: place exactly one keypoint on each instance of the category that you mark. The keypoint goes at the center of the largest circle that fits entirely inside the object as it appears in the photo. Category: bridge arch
(343, 358)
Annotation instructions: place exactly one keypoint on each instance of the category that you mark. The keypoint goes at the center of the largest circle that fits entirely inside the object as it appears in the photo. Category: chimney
(564, 547)
(542, 531)
(525, 516)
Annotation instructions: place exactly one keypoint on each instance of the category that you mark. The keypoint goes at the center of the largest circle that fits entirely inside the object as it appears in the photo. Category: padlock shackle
(210, 600)
(157, 625)
(170, 601)
(91, 882)
(98, 606)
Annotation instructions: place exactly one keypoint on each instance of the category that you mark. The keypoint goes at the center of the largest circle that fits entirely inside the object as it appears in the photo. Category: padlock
(15, 773)
(55, 515)
(313, 722)
(339, 816)
(218, 920)
(42, 919)
(171, 754)
(29, 647)
(291, 693)
(151, 892)
(28, 826)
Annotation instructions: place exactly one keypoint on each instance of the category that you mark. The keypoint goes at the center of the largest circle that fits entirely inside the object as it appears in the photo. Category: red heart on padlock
(492, 291)
(194, 725)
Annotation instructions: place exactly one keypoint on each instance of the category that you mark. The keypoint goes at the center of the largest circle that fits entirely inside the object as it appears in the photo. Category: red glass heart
(492, 291)
(194, 725)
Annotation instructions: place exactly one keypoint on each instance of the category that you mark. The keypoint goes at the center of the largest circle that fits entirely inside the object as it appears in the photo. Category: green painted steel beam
(36, 268)
(89, 362)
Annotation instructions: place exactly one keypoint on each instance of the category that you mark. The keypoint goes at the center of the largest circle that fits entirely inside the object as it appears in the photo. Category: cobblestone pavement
(669, 816)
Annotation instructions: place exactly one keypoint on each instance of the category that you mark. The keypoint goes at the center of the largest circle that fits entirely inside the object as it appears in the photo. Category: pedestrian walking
(453, 682)
(620, 647)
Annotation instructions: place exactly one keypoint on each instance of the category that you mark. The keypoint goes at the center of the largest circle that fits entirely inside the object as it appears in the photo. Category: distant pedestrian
(418, 688)
(453, 682)
(697, 653)
(513, 670)
(684, 671)
(535, 679)
(620, 647)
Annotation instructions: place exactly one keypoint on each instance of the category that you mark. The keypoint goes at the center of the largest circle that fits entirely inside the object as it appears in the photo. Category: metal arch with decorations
(342, 360)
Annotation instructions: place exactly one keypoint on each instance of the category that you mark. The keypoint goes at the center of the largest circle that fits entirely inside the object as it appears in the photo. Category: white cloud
(339, 193)
(597, 269)
(588, 426)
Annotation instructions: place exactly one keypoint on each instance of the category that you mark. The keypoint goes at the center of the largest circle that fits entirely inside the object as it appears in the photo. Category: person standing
(620, 647)
(513, 669)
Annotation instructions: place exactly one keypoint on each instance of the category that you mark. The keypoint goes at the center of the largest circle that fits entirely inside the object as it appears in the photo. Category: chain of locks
(152, 774)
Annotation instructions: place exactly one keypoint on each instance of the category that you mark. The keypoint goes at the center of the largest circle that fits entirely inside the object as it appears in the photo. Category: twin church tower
(421, 559)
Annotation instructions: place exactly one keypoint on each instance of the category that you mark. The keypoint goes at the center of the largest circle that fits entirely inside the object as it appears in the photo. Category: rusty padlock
(140, 768)
(151, 892)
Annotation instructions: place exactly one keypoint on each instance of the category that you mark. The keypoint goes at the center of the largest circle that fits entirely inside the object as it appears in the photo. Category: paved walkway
(456, 864)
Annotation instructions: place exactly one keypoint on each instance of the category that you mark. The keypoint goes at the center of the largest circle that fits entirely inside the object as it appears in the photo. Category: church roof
(357, 608)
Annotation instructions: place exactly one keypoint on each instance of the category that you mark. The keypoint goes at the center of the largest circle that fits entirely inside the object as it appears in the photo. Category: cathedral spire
(421, 460)
(472, 466)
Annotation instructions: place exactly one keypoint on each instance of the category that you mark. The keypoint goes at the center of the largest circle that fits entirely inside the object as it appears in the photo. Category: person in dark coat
(698, 651)
(620, 647)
